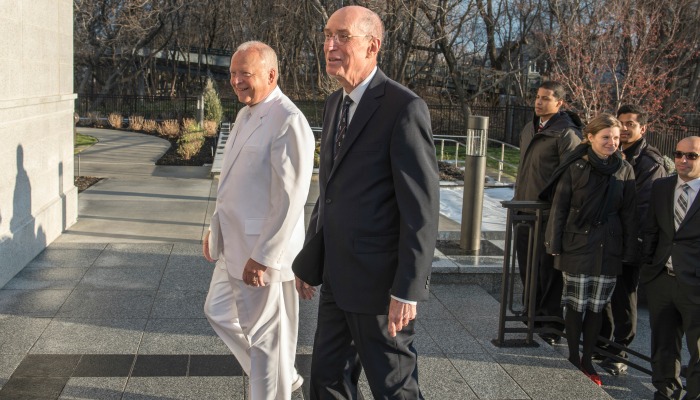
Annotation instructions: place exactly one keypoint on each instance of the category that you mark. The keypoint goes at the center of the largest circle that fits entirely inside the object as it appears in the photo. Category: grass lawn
(82, 142)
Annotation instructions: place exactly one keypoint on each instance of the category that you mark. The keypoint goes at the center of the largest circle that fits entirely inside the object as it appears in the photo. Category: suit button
(329, 201)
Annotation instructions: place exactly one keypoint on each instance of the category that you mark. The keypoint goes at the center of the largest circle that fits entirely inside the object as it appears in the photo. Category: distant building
(38, 199)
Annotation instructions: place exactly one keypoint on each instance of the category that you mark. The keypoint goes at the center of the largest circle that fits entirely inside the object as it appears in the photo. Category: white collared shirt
(692, 191)
(356, 94)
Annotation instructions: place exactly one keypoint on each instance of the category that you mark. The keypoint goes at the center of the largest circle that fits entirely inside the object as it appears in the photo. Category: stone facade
(38, 200)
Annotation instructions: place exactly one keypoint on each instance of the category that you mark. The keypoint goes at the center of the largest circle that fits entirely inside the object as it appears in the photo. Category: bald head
(353, 39)
(365, 20)
(688, 148)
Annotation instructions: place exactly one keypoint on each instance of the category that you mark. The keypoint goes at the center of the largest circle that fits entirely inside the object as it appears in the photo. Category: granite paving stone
(19, 333)
(486, 377)
(179, 304)
(35, 303)
(160, 365)
(200, 387)
(104, 304)
(563, 380)
(214, 365)
(451, 337)
(433, 309)
(134, 278)
(8, 364)
(110, 388)
(48, 365)
(181, 336)
(46, 278)
(307, 332)
(122, 255)
(68, 255)
(187, 277)
(439, 379)
(188, 255)
(423, 342)
(33, 388)
(90, 336)
(104, 365)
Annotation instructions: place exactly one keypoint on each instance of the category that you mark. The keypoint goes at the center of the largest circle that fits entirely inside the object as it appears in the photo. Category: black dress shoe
(614, 367)
(550, 338)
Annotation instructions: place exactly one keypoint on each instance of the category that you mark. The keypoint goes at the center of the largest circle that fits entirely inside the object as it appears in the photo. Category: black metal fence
(505, 123)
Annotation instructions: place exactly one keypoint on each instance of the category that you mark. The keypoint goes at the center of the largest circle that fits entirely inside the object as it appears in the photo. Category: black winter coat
(586, 247)
(648, 165)
(541, 153)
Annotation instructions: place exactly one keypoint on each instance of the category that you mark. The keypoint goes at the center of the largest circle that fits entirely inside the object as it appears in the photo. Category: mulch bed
(205, 155)
(449, 172)
(84, 182)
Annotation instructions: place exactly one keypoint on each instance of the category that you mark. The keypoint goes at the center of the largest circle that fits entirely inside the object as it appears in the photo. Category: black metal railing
(530, 215)
(505, 123)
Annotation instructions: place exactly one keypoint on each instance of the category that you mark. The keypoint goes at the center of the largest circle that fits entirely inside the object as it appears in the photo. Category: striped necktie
(342, 125)
(681, 206)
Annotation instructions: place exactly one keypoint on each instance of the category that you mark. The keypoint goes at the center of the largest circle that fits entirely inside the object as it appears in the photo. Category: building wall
(38, 199)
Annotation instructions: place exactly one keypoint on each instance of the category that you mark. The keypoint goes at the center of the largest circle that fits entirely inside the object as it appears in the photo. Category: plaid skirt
(583, 291)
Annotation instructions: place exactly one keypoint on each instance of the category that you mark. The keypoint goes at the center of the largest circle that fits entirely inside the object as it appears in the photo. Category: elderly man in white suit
(258, 226)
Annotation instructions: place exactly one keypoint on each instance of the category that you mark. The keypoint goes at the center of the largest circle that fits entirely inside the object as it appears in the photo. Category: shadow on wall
(26, 238)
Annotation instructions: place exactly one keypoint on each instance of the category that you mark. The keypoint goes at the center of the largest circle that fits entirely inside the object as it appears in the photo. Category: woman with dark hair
(590, 231)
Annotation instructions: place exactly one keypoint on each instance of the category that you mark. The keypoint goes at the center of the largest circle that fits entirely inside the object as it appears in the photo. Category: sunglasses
(690, 155)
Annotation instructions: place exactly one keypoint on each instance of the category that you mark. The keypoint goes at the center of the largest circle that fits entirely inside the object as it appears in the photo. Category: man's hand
(306, 291)
(205, 248)
(400, 314)
(253, 273)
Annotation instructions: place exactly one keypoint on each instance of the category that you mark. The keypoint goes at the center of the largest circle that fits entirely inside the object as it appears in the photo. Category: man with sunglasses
(620, 315)
(671, 273)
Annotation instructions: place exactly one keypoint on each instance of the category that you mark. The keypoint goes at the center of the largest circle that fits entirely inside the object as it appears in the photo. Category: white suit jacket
(263, 187)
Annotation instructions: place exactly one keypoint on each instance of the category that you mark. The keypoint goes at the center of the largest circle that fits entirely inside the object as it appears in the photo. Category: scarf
(605, 167)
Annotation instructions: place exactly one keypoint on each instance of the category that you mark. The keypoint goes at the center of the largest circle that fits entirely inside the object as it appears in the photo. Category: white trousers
(260, 326)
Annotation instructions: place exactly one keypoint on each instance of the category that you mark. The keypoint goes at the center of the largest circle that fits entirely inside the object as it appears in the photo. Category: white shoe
(297, 383)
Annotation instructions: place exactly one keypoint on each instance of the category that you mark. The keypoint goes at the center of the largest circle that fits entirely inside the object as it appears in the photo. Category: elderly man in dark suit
(377, 213)
(671, 273)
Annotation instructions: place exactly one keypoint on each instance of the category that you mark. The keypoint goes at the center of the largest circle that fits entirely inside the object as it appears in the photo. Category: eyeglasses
(692, 156)
(341, 38)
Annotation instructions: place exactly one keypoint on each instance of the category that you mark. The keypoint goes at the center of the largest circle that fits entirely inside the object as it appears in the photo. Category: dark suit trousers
(620, 315)
(671, 314)
(550, 282)
(346, 342)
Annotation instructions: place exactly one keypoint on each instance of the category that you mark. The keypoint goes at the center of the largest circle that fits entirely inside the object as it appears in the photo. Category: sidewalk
(113, 308)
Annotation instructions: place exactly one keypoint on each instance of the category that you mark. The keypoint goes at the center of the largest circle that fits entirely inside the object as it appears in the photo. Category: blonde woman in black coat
(591, 231)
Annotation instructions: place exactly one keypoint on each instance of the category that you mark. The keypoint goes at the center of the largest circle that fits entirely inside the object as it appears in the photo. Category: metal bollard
(474, 175)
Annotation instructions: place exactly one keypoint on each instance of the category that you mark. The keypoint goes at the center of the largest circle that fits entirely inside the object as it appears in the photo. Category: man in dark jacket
(620, 316)
(543, 144)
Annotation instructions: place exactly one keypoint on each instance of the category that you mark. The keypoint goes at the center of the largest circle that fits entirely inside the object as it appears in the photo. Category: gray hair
(267, 55)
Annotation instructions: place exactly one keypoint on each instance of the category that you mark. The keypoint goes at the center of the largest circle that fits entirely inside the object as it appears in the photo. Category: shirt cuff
(413, 303)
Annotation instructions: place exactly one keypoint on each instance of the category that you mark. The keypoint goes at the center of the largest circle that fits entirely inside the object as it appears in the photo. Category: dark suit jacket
(379, 202)
(661, 240)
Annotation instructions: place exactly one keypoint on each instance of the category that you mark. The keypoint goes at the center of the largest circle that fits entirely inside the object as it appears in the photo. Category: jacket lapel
(241, 119)
(691, 211)
(364, 111)
(666, 213)
(328, 136)
(248, 128)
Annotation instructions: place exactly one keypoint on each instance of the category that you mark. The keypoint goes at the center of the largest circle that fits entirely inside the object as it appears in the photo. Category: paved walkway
(113, 308)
